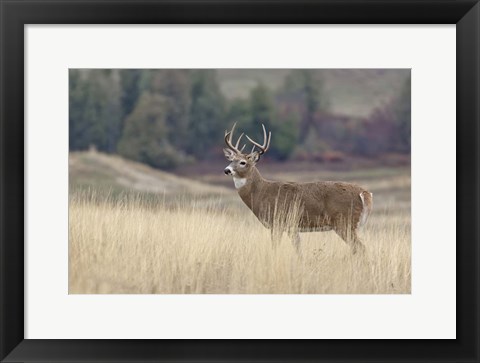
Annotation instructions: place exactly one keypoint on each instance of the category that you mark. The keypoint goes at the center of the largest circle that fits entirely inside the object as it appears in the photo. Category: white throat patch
(239, 182)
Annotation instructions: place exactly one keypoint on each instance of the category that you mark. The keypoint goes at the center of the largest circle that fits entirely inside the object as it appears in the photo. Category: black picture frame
(16, 14)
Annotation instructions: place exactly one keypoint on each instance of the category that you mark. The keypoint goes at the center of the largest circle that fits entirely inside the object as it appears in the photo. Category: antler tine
(269, 138)
(228, 140)
(228, 137)
(230, 133)
(266, 141)
(238, 141)
(243, 147)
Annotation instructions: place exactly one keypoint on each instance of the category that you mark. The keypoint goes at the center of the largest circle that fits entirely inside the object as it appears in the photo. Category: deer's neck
(246, 183)
(248, 187)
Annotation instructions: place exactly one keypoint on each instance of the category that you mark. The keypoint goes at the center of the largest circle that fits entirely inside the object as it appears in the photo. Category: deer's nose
(227, 171)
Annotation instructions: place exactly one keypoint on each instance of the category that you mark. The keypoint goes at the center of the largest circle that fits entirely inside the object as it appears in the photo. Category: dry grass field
(126, 237)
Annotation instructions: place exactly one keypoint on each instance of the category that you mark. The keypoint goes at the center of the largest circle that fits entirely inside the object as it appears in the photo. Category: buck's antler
(228, 140)
(266, 141)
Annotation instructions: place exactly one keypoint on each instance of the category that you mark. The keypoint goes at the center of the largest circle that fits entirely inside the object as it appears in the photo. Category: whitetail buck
(322, 206)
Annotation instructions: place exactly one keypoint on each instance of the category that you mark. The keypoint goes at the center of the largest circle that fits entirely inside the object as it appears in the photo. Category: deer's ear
(229, 154)
(255, 156)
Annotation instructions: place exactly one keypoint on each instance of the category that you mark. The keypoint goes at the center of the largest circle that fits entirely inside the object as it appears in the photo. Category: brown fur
(323, 206)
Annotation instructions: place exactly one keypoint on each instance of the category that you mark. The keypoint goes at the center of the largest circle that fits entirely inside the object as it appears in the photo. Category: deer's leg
(295, 236)
(276, 235)
(350, 237)
(357, 245)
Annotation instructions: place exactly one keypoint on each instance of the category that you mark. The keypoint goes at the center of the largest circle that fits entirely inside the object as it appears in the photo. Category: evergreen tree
(174, 85)
(206, 112)
(145, 135)
(77, 125)
(239, 112)
(112, 112)
(261, 106)
(95, 109)
(131, 89)
(304, 88)
(286, 138)
(283, 127)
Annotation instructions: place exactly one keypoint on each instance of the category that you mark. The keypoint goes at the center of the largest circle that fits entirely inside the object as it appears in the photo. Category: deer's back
(321, 204)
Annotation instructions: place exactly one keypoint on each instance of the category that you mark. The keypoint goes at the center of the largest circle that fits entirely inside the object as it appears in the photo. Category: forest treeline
(166, 118)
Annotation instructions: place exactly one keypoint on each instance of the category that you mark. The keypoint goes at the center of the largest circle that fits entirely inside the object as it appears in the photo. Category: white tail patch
(365, 211)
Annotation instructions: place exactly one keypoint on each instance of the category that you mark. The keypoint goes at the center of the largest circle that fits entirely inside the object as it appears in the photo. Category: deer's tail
(367, 203)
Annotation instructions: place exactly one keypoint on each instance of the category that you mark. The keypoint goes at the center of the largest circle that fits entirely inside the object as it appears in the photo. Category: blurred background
(169, 118)
(338, 120)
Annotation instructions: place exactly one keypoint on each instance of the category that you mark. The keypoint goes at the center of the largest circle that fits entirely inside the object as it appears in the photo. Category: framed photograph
(240, 181)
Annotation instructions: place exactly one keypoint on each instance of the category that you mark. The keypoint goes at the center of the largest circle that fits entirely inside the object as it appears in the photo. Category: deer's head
(241, 164)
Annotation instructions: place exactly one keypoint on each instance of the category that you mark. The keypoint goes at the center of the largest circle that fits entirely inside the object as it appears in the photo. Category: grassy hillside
(107, 173)
(354, 92)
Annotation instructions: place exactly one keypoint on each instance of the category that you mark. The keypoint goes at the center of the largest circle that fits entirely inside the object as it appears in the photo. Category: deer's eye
(243, 163)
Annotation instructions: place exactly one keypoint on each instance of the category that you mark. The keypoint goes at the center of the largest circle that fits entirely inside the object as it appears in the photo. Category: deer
(321, 205)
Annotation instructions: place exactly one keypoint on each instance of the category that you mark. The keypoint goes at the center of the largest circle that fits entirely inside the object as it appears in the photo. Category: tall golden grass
(129, 244)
